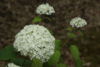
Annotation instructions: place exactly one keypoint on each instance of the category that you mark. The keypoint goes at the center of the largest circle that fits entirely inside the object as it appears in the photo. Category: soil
(15, 14)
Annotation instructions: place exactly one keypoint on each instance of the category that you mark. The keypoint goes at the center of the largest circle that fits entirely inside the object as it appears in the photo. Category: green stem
(65, 42)
(24, 62)
(40, 22)
(42, 16)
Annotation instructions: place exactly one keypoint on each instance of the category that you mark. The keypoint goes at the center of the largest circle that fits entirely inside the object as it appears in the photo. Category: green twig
(65, 42)
(24, 62)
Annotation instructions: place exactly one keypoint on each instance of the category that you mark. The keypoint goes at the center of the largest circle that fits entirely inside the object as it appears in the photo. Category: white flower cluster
(78, 22)
(36, 42)
(45, 9)
(12, 65)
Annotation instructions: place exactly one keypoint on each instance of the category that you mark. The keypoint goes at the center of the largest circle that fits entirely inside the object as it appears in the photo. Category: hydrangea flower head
(45, 9)
(78, 22)
(12, 65)
(35, 41)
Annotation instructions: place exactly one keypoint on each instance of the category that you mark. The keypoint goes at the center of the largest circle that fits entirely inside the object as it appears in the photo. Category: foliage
(54, 59)
(61, 65)
(48, 18)
(75, 54)
(71, 35)
(80, 32)
(7, 53)
(19, 61)
(37, 63)
(37, 19)
(69, 29)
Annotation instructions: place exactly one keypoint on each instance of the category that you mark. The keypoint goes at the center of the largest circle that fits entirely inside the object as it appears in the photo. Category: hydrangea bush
(35, 45)
(78, 22)
(35, 41)
(12, 65)
(45, 9)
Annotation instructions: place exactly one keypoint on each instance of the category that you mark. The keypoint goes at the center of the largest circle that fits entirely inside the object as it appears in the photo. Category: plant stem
(6, 64)
(24, 62)
(42, 16)
(65, 42)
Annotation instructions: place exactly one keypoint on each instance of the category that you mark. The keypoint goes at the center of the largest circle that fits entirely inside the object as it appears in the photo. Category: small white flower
(45, 9)
(36, 42)
(78, 22)
(12, 65)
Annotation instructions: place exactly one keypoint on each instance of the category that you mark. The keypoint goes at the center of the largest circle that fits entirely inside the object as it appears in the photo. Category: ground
(15, 14)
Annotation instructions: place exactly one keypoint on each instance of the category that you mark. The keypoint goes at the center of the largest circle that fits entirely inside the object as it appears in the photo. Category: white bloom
(45, 9)
(12, 65)
(36, 42)
(78, 22)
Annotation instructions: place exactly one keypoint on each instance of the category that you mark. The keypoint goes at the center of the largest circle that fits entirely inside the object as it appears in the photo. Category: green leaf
(37, 63)
(37, 19)
(69, 29)
(46, 64)
(78, 63)
(19, 61)
(54, 58)
(61, 60)
(71, 35)
(74, 52)
(80, 32)
(48, 18)
(61, 65)
(7, 53)
(58, 44)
